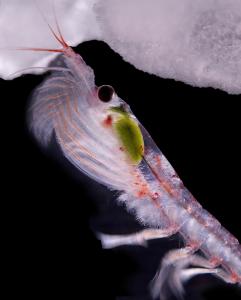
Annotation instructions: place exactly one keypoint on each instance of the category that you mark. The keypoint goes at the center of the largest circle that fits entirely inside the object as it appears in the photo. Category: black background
(50, 212)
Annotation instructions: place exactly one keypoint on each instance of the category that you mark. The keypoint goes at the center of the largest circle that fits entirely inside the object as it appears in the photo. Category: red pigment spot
(193, 244)
(215, 261)
(155, 196)
(121, 149)
(174, 176)
(143, 191)
(233, 275)
(107, 121)
(189, 209)
(235, 278)
(158, 160)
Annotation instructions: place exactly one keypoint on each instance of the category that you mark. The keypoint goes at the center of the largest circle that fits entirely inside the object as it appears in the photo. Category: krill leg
(139, 238)
(175, 270)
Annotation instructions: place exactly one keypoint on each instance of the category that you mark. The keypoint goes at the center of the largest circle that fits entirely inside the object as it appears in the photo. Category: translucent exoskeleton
(98, 133)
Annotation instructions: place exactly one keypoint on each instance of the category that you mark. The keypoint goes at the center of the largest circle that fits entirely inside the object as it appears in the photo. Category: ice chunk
(22, 25)
(198, 42)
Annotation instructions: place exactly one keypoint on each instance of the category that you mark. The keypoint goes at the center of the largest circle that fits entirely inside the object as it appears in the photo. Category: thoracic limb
(177, 266)
(139, 238)
(175, 270)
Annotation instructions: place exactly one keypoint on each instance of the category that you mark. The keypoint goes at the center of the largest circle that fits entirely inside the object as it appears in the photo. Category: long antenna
(58, 36)
(39, 49)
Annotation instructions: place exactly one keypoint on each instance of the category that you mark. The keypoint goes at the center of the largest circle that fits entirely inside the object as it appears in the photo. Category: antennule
(63, 42)
(58, 36)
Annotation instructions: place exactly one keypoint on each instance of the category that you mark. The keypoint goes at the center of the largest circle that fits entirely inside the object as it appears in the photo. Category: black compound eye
(105, 93)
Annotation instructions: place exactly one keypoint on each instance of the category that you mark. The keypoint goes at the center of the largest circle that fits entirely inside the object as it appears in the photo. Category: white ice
(22, 24)
(195, 41)
(198, 42)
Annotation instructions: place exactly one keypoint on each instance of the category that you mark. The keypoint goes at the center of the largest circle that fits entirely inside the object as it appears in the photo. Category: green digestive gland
(131, 138)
